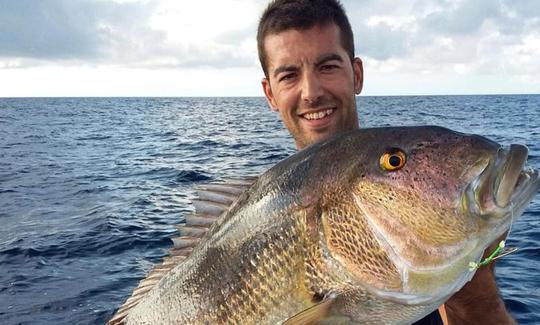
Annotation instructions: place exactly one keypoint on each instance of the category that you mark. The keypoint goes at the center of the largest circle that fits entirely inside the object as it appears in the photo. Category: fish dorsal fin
(211, 201)
(314, 314)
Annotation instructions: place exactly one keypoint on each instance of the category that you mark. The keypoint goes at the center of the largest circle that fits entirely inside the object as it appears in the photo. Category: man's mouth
(311, 116)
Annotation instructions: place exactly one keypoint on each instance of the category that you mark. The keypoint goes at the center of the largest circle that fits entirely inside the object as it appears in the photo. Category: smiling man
(311, 80)
(306, 49)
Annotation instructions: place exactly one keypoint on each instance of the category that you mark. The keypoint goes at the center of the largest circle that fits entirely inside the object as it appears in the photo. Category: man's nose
(312, 90)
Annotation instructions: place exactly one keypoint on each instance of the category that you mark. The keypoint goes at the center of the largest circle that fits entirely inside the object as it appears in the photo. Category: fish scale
(370, 261)
(248, 293)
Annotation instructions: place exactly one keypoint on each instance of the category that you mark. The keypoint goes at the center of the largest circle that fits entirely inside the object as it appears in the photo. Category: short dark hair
(281, 15)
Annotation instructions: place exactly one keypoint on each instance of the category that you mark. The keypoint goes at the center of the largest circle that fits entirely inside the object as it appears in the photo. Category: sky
(208, 47)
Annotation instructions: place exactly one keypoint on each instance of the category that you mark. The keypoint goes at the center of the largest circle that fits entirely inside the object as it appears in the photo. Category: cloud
(428, 38)
(523, 8)
(461, 18)
(441, 37)
(380, 41)
(152, 34)
(182, 33)
(74, 30)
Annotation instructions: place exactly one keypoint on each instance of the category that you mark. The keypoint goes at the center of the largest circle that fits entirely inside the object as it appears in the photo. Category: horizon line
(262, 96)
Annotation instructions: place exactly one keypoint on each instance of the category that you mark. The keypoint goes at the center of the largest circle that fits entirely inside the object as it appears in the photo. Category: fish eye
(393, 159)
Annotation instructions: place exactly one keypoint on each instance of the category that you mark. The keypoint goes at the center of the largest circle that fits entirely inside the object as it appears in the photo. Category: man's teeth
(318, 115)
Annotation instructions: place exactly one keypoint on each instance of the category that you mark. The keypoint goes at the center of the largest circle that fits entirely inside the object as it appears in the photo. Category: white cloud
(164, 33)
(91, 81)
(183, 23)
(207, 47)
(453, 42)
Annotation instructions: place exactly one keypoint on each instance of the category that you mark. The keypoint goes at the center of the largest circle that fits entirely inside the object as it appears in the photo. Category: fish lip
(509, 175)
(505, 185)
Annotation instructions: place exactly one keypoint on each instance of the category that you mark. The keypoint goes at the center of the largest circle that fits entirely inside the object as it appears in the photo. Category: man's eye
(329, 67)
(287, 77)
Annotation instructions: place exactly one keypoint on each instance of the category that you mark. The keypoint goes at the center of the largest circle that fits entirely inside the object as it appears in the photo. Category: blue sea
(91, 188)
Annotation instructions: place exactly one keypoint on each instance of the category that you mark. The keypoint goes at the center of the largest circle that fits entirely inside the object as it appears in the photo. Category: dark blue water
(90, 189)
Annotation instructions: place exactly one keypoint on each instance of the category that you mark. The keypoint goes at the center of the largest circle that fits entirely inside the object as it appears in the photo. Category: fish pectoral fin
(312, 315)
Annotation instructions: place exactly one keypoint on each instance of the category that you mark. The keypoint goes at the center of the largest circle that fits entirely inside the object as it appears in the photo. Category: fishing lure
(499, 252)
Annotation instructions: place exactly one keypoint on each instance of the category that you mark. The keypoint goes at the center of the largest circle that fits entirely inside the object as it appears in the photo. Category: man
(306, 50)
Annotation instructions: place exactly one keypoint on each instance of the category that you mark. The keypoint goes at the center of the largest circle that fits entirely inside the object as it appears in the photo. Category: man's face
(312, 82)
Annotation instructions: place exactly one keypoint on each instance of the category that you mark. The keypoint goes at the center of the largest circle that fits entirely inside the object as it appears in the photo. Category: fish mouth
(504, 187)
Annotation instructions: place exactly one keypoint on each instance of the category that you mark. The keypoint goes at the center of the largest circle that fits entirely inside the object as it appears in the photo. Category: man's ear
(268, 94)
(358, 72)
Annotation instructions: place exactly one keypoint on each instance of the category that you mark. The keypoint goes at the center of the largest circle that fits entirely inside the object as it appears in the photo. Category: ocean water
(91, 188)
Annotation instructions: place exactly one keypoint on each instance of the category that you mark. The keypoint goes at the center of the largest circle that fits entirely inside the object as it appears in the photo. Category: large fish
(376, 226)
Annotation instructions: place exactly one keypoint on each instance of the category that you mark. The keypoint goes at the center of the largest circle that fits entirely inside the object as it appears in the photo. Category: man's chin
(317, 137)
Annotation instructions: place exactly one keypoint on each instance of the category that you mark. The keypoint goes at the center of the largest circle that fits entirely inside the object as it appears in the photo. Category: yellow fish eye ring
(393, 160)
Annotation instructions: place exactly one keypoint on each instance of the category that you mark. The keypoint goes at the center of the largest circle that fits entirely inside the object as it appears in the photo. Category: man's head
(282, 15)
(306, 49)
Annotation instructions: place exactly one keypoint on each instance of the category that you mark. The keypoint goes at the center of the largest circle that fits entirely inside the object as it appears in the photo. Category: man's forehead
(329, 31)
(292, 45)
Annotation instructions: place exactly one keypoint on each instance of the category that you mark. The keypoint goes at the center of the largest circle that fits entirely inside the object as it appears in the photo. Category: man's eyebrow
(328, 57)
(322, 59)
(284, 68)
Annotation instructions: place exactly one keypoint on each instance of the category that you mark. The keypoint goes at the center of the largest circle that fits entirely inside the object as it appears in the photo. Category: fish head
(424, 203)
